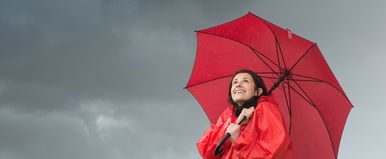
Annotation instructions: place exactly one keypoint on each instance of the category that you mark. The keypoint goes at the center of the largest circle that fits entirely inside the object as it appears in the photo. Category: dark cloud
(114, 50)
(46, 136)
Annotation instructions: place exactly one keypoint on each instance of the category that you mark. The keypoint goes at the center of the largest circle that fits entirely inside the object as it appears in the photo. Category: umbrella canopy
(312, 103)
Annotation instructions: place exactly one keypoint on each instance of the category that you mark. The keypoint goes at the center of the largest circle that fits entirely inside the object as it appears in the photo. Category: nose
(238, 84)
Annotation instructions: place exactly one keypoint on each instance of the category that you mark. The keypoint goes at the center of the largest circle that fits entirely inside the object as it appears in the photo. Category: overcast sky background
(103, 79)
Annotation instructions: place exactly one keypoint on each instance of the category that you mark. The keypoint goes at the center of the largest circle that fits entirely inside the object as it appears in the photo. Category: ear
(259, 91)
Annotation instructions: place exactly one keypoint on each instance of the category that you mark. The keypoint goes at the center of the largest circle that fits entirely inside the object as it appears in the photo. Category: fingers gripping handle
(219, 148)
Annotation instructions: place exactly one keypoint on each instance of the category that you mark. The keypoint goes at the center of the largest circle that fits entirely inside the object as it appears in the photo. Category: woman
(262, 135)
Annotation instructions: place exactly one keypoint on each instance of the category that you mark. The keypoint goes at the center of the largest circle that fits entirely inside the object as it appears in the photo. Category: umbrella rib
(304, 54)
(328, 131)
(277, 41)
(285, 96)
(265, 62)
(292, 79)
(270, 77)
(273, 33)
(316, 80)
(305, 80)
(313, 80)
(290, 105)
(308, 97)
(277, 54)
(265, 57)
(281, 52)
(322, 81)
(310, 102)
(207, 81)
(314, 105)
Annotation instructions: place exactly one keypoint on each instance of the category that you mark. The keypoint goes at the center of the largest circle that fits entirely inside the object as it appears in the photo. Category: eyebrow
(242, 78)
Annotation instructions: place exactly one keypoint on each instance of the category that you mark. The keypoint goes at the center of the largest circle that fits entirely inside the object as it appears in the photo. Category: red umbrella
(313, 104)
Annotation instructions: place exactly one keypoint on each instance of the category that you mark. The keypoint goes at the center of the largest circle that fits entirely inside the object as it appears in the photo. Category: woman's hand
(247, 113)
(234, 130)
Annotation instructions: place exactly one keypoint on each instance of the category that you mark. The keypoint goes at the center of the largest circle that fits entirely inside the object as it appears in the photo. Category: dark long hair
(252, 102)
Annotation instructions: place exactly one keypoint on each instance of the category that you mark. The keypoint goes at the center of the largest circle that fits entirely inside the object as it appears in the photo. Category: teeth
(239, 91)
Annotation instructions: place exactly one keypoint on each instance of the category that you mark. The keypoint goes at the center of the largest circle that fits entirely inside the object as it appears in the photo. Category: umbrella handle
(219, 148)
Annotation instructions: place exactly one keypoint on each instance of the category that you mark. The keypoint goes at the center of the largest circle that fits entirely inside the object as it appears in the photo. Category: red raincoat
(264, 137)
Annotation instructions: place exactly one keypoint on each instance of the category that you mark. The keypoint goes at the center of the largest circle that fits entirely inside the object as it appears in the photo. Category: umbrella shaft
(277, 83)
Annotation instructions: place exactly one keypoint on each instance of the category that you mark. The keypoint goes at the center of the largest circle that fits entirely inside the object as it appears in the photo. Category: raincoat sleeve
(206, 145)
(266, 137)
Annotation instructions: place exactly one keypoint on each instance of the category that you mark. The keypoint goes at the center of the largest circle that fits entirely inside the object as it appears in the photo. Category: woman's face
(243, 88)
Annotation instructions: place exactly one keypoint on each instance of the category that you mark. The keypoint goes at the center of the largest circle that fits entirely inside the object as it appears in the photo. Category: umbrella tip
(289, 32)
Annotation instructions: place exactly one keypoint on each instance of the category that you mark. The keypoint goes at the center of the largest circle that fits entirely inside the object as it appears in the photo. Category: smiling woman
(260, 135)
(245, 87)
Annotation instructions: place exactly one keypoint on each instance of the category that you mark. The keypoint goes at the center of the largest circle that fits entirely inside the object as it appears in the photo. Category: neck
(240, 104)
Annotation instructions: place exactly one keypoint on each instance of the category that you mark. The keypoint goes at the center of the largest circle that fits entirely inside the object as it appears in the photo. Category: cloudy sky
(103, 79)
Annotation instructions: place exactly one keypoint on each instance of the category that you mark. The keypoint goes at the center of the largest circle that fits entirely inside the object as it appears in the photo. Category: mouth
(239, 91)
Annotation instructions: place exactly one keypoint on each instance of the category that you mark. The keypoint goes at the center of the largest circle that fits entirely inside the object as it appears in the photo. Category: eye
(246, 81)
